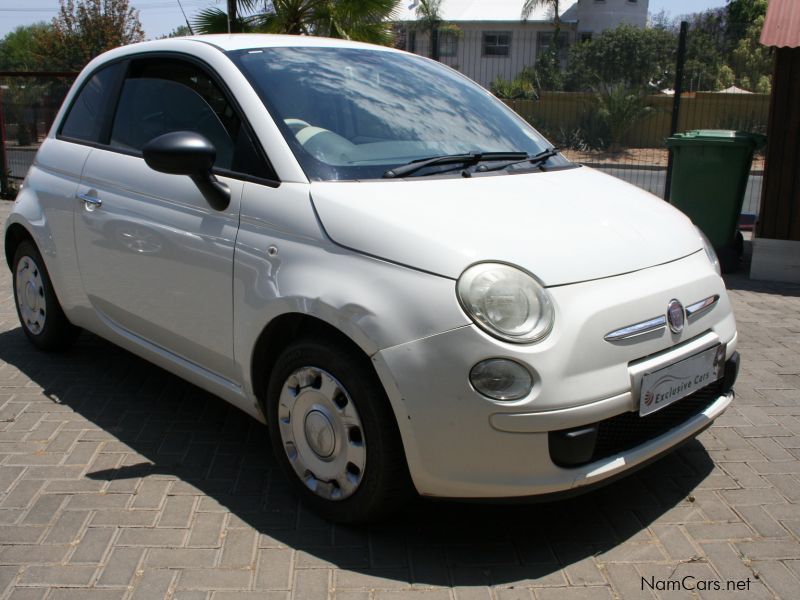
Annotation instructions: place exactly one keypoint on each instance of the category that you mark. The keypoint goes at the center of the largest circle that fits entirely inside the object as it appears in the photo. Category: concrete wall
(596, 16)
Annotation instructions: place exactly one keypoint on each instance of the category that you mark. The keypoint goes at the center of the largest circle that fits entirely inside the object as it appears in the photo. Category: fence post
(676, 102)
(3, 160)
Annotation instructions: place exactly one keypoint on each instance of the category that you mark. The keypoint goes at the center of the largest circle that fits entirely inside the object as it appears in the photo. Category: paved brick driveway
(118, 480)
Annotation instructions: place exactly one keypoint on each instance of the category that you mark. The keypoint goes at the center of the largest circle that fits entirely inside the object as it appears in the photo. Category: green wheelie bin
(709, 175)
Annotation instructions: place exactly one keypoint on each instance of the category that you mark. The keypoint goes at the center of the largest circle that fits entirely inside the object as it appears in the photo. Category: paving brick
(87, 594)
(137, 536)
(177, 511)
(274, 569)
(780, 549)
(761, 521)
(215, 579)
(22, 554)
(125, 518)
(67, 529)
(43, 510)
(313, 584)
(627, 582)
(57, 575)
(206, 530)
(238, 548)
(97, 501)
(26, 593)
(121, 566)
(719, 531)
(581, 593)
(22, 494)
(151, 494)
(152, 584)
(93, 545)
(371, 579)
(20, 534)
(778, 578)
(186, 558)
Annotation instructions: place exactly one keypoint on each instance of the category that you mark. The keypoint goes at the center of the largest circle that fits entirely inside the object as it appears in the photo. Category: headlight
(710, 253)
(506, 302)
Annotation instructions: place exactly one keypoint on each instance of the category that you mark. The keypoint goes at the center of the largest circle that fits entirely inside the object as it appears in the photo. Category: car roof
(244, 41)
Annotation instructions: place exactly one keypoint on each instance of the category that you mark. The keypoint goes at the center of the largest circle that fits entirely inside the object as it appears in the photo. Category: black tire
(385, 483)
(48, 329)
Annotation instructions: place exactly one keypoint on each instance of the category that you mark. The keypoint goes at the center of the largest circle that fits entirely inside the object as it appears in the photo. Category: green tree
(750, 61)
(362, 20)
(641, 58)
(86, 28)
(19, 50)
(179, 31)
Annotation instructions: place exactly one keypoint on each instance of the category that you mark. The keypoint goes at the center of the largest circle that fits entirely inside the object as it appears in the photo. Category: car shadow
(176, 431)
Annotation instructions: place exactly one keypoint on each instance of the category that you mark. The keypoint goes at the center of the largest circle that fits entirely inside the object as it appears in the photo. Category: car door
(156, 260)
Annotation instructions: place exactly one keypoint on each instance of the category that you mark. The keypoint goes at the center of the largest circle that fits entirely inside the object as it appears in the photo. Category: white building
(493, 40)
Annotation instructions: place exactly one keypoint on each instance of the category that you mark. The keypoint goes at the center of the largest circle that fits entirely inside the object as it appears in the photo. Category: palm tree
(530, 5)
(362, 20)
(429, 18)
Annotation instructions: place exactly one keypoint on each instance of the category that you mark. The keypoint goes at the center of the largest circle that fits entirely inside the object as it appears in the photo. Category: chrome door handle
(91, 201)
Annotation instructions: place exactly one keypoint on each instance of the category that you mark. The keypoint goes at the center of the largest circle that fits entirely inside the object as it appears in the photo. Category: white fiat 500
(373, 255)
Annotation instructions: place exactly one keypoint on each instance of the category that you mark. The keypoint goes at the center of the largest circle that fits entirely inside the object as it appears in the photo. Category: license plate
(665, 386)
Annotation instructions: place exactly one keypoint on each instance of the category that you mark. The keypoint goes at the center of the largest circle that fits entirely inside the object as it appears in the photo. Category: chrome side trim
(654, 324)
(694, 310)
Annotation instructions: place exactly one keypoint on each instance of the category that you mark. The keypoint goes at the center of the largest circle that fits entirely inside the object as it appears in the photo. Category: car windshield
(352, 113)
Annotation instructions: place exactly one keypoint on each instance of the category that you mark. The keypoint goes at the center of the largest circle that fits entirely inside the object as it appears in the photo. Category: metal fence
(29, 102)
(614, 128)
(618, 130)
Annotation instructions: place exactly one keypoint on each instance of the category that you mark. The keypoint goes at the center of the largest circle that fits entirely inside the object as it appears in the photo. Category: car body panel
(157, 260)
(564, 226)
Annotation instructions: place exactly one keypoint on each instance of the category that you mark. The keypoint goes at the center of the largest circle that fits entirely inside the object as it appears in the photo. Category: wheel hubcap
(30, 295)
(321, 433)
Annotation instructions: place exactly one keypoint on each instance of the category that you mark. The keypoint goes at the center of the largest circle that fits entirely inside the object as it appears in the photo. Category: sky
(159, 17)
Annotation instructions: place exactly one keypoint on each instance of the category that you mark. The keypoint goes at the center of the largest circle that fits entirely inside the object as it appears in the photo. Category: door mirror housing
(188, 153)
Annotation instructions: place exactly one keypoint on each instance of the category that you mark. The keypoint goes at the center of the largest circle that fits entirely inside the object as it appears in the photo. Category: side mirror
(188, 153)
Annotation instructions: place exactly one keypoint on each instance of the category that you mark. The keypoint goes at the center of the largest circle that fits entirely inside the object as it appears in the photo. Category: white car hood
(563, 226)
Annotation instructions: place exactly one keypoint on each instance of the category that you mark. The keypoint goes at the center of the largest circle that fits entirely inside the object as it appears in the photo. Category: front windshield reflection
(352, 113)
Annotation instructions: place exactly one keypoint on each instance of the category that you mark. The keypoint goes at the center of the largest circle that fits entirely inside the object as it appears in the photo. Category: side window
(87, 113)
(169, 95)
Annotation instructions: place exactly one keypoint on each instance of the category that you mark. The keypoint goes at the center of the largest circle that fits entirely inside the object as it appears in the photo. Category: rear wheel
(334, 433)
(40, 314)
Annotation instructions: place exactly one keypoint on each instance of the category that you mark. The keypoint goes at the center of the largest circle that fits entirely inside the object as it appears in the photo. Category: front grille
(586, 444)
(629, 430)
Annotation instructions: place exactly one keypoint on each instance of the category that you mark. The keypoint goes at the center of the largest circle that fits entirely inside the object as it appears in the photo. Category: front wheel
(334, 433)
(39, 311)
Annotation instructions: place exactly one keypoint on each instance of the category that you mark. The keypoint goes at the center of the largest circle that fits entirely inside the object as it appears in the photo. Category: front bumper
(460, 444)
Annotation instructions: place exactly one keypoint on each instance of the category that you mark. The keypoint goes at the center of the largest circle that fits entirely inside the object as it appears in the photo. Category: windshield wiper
(470, 158)
(535, 160)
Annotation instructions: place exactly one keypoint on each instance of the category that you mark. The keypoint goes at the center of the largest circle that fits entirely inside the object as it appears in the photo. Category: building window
(448, 43)
(544, 40)
(412, 40)
(496, 43)
(586, 36)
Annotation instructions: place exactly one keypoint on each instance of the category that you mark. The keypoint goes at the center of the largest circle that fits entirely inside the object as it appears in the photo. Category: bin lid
(718, 136)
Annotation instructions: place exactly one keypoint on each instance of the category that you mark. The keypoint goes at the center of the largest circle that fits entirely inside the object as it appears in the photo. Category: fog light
(501, 379)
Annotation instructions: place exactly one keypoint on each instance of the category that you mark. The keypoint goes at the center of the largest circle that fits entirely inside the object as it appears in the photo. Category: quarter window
(496, 43)
(88, 112)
